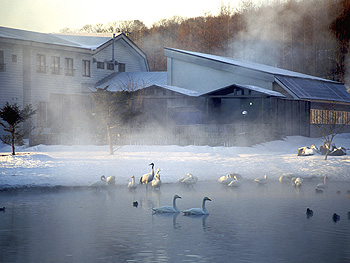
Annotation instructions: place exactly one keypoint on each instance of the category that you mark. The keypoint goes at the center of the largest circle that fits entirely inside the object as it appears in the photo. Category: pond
(247, 224)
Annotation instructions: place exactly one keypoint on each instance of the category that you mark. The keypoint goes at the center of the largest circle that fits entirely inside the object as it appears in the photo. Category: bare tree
(330, 121)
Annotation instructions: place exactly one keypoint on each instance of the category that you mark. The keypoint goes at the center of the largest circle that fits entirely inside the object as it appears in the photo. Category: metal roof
(137, 80)
(249, 65)
(314, 89)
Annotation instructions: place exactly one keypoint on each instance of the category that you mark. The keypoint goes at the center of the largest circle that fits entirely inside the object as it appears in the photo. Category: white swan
(100, 183)
(132, 184)
(285, 178)
(156, 182)
(235, 182)
(190, 179)
(198, 211)
(226, 179)
(111, 180)
(322, 185)
(296, 181)
(167, 208)
(261, 181)
(146, 178)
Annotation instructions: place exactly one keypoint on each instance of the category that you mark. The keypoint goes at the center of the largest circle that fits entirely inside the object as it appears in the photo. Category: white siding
(11, 80)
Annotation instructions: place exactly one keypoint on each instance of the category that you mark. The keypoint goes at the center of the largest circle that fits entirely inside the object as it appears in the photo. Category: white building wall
(11, 79)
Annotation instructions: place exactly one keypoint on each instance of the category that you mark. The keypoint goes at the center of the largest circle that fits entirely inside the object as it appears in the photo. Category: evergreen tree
(12, 117)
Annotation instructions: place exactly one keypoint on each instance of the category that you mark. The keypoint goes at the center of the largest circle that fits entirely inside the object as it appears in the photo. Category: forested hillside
(308, 36)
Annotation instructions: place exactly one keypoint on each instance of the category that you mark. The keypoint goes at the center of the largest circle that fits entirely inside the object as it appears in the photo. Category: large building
(200, 99)
(52, 72)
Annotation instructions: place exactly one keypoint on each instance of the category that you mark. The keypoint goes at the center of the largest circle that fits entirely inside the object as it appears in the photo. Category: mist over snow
(81, 165)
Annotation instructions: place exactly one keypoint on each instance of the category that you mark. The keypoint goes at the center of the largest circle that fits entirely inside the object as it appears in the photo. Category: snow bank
(81, 165)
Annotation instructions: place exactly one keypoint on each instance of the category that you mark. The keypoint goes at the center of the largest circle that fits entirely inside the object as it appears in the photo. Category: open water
(247, 224)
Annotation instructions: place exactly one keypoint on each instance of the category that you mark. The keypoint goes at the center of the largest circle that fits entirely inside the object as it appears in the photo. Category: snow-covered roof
(134, 80)
(79, 41)
(261, 90)
(186, 92)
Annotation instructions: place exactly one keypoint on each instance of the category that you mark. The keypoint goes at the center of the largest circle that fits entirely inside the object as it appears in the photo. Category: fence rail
(239, 134)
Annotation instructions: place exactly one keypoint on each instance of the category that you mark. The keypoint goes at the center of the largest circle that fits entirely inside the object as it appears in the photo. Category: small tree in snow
(12, 117)
(330, 122)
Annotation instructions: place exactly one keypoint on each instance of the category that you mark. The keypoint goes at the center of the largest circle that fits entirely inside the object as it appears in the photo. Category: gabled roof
(138, 80)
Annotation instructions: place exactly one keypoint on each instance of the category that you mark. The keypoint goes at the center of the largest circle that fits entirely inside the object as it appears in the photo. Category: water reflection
(250, 224)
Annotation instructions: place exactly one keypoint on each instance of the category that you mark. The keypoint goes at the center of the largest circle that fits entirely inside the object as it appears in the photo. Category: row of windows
(329, 117)
(68, 66)
(69, 70)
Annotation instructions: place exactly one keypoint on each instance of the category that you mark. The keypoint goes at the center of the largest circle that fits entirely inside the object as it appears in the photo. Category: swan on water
(102, 182)
(336, 217)
(111, 180)
(167, 208)
(156, 182)
(309, 213)
(261, 181)
(190, 179)
(226, 179)
(198, 211)
(146, 178)
(296, 182)
(322, 185)
(285, 178)
(235, 182)
(132, 184)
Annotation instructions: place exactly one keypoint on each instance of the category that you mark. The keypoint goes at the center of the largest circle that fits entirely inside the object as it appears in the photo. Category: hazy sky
(52, 15)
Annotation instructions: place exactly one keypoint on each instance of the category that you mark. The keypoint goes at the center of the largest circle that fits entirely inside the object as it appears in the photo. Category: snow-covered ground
(81, 165)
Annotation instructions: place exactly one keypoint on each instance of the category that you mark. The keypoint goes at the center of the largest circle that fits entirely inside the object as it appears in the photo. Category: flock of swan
(230, 180)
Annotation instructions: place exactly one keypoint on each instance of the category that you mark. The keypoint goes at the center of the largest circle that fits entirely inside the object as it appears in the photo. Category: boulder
(338, 152)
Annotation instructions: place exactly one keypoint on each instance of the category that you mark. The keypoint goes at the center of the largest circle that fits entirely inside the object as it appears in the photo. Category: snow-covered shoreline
(82, 164)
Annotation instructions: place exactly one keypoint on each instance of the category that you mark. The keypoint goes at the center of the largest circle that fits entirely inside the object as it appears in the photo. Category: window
(86, 68)
(110, 66)
(40, 63)
(14, 58)
(55, 66)
(329, 117)
(69, 66)
(2, 60)
(121, 67)
(101, 65)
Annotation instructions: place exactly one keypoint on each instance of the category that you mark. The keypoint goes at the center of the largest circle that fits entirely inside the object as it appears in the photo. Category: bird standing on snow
(198, 211)
(167, 208)
(156, 182)
(132, 184)
(146, 178)
(261, 181)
